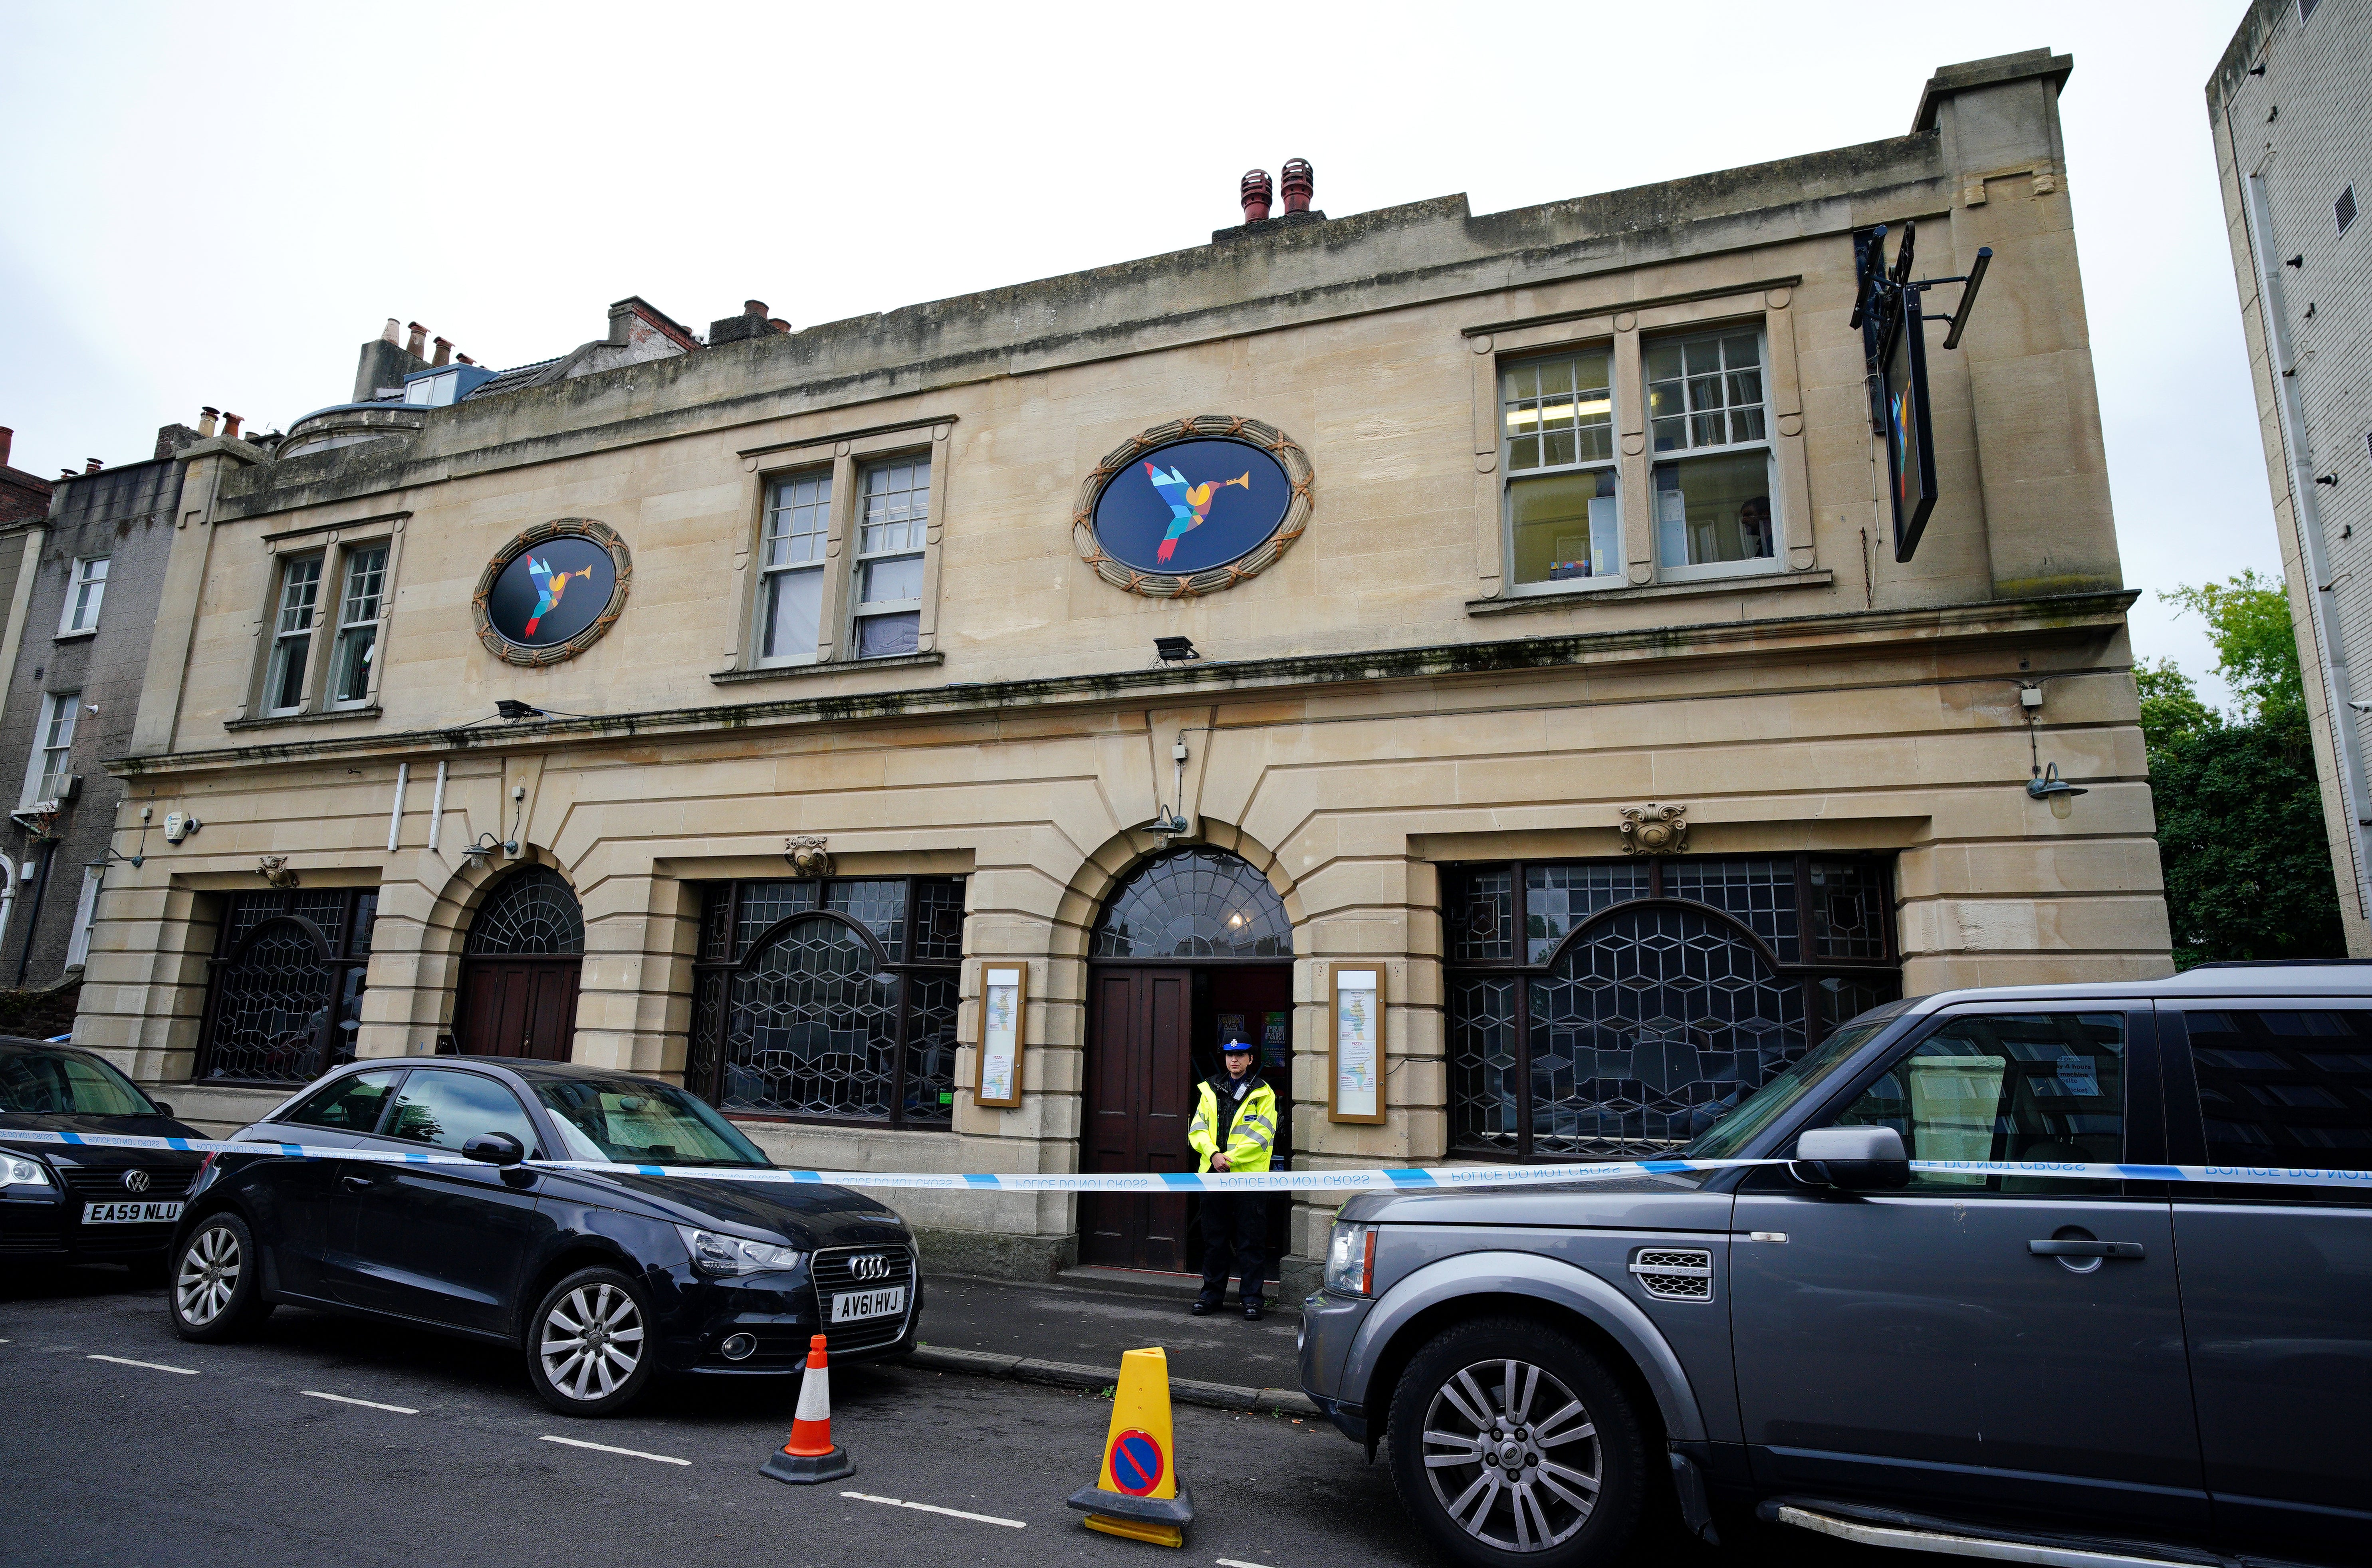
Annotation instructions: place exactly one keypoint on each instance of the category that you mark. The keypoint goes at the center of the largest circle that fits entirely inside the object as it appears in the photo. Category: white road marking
(1237, 1562)
(935, 1508)
(367, 1404)
(151, 1366)
(630, 1453)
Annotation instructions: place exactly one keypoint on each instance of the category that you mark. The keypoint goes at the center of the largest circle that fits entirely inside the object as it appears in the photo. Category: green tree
(2239, 809)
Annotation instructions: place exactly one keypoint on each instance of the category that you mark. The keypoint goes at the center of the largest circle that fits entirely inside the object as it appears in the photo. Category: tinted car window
(446, 1110)
(632, 1121)
(1773, 1100)
(2006, 1087)
(350, 1105)
(2285, 1089)
(60, 1082)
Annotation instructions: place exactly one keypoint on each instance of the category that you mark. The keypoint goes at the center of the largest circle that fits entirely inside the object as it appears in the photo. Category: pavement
(1071, 1335)
(335, 1441)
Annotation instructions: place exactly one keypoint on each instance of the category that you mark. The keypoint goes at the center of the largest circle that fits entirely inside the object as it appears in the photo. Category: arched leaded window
(830, 1000)
(1194, 903)
(284, 998)
(532, 913)
(1601, 1009)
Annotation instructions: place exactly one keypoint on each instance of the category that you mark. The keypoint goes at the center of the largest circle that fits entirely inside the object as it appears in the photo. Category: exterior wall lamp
(2047, 786)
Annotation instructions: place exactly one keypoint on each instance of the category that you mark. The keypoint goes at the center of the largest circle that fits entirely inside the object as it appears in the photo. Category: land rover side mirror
(496, 1148)
(1857, 1159)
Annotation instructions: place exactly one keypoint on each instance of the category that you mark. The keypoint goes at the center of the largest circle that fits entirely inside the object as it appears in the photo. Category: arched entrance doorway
(1193, 942)
(519, 969)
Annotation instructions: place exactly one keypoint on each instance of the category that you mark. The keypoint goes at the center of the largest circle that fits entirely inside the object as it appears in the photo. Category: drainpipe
(33, 915)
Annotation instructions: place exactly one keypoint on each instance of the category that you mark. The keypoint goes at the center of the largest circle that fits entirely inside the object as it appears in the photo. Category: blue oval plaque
(1192, 505)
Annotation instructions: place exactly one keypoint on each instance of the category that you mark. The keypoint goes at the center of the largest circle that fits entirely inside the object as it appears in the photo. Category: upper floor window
(292, 635)
(53, 760)
(1710, 438)
(1564, 506)
(890, 533)
(85, 591)
(790, 601)
(358, 610)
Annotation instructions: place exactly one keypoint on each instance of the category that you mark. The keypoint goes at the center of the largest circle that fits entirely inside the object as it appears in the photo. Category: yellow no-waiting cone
(1138, 1493)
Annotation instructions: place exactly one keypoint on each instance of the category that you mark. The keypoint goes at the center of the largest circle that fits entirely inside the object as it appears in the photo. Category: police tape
(1425, 1179)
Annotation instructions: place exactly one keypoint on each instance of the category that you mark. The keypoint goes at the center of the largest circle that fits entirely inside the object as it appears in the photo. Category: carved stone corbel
(274, 870)
(1654, 829)
(807, 855)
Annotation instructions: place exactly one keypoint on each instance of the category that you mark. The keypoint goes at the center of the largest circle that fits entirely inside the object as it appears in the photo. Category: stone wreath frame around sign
(621, 559)
(1167, 585)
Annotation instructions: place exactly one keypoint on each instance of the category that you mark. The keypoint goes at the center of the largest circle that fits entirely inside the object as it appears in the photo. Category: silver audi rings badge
(871, 1266)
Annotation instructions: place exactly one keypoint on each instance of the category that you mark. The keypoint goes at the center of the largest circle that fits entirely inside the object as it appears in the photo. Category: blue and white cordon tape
(1386, 1180)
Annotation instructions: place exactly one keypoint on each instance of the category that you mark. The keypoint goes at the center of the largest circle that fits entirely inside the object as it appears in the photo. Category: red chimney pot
(7, 439)
(1257, 195)
(444, 352)
(230, 425)
(754, 307)
(92, 465)
(1300, 182)
(418, 340)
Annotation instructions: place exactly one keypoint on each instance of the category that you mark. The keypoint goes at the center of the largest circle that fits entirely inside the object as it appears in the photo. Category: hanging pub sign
(1193, 506)
(553, 591)
(1910, 438)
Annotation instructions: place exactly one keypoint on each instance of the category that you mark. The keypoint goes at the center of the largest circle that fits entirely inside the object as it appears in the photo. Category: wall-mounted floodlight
(1174, 650)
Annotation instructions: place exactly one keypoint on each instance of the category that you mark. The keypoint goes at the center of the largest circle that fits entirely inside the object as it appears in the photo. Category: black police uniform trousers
(1235, 1240)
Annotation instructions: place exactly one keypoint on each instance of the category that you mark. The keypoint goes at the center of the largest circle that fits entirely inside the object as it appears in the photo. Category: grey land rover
(2031, 1368)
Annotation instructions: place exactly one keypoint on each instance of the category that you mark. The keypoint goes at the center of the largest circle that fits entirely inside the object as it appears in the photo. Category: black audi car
(602, 1280)
(80, 1204)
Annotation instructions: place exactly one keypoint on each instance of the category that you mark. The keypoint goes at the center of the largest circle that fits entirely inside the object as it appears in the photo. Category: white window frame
(53, 736)
(359, 620)
(1682, 570)
(914, 546)
(292, 637)
(85, 917)
(785, 551)
(86, 592)
(1508, 413)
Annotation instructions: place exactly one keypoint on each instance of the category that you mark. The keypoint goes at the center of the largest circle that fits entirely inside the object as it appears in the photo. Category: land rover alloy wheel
(1510, 1442)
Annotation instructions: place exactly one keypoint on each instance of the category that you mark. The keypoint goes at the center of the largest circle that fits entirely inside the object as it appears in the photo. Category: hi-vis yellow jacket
(1251, 1130)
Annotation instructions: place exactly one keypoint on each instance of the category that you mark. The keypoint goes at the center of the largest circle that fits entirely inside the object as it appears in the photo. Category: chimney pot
(392, 332)
(68, 474)
(206, 422)
(465, 359)
(1300, 182)
(778, 325)
(1257, 195)
(7, 439)
(92, 465)
(754, 307)
(230, 426)
(444, 352)
(417, 342)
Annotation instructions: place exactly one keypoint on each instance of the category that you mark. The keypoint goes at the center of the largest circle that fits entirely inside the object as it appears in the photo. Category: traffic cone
(810, 1455)
(1137, 1493)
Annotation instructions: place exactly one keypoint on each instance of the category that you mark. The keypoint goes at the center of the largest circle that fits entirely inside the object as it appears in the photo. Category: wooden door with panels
(1140, 1096)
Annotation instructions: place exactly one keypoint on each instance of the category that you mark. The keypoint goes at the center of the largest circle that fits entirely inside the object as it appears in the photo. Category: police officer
(1234, 1129)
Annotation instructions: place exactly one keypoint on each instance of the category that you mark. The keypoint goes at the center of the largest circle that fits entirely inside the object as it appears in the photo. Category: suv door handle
(2071, 1249)
(364, 1184)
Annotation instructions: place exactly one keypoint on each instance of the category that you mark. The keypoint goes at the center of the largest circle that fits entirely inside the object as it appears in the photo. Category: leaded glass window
(1194, 903)
(285, 987)
(530, 913)
(1650, 995)
(829, 1000)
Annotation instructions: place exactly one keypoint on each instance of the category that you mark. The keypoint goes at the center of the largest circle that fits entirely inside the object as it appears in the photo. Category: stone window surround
(846, 454)
(337, 542)
(1623, 327)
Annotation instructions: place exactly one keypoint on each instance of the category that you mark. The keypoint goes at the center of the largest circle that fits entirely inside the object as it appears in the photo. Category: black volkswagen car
(79, 1203)
(602, 1280)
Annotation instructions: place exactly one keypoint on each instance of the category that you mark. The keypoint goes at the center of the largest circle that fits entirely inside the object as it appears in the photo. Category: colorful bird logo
(1189, 507)
(550, 585)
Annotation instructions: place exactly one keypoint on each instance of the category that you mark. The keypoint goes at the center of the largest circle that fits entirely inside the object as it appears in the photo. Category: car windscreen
(636, 1122)
(66, 1083)
(1767, 1104)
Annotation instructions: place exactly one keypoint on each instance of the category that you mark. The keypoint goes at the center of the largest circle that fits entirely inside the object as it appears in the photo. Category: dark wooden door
(1140, 1096)
(512, 1006)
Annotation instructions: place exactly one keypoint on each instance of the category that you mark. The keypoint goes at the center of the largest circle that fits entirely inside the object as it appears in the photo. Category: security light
(511, 708)
(1175, 650)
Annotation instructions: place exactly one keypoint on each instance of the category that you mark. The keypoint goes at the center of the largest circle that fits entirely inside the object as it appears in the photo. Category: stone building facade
(1531, 538)
(2293, 122)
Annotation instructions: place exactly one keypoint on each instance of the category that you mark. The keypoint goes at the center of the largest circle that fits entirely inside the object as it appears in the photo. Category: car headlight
(16, 1170)
(1350, 1260)
(724, 1255)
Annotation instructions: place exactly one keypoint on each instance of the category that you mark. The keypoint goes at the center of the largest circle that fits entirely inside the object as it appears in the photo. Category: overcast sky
(216, 204)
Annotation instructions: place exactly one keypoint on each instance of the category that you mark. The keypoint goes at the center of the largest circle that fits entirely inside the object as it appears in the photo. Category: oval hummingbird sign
(1194, 506)
(553, 591)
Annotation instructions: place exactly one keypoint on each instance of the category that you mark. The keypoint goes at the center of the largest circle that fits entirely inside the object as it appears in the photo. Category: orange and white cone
(810, 1455)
